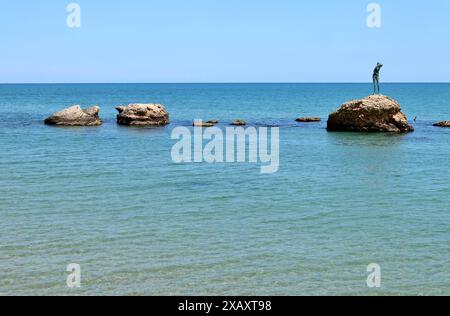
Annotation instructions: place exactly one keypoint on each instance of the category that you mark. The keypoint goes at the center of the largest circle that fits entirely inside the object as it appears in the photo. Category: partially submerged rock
(239, 123)
(308, 119)
(212, 122)
(76, 116)
(442, 124)
(203, 124)
(143, 115)
(376, 113)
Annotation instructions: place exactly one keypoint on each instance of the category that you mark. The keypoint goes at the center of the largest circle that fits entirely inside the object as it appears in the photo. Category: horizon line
(231, 82)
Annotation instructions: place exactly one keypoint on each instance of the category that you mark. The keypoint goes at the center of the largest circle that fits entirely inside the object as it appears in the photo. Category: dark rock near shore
(442, 124)
(239, 123)
(142, 115)
(76, 116)
(308, 119)
(376, 113)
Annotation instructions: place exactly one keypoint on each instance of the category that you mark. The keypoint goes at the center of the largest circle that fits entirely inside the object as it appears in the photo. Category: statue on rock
(375, 113)
(376, 78)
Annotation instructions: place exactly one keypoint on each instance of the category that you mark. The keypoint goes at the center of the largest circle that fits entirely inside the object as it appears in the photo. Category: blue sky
(223, 41)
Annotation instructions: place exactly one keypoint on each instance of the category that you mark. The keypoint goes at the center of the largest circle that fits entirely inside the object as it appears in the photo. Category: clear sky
(224, 41)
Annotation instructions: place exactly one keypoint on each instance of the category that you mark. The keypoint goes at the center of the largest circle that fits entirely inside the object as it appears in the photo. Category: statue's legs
(376, 85)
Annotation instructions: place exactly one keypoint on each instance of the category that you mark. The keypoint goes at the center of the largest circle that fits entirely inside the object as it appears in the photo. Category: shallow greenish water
(111, 199)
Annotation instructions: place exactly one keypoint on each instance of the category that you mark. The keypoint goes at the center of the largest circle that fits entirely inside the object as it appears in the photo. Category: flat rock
(142, 115)
(442, 124)
(239, 123)
(376, 113)
(76, 116)
(308, 119)
(203, 124)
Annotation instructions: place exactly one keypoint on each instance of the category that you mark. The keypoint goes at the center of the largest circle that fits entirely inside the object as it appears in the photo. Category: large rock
(76, 116)
(143, 115)
(376, 113)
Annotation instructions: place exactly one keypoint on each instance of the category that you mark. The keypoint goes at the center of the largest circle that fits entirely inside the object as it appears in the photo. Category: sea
(112, 201)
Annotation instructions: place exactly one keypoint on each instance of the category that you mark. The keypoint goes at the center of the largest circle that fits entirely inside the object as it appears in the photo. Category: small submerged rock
(308, 119)
(76, 116)
(239, 123)
(376, 113)
(203, 124)
(442, 124)
(143, 115)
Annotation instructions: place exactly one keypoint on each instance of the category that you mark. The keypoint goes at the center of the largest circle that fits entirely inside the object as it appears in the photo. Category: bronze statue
(376, 78)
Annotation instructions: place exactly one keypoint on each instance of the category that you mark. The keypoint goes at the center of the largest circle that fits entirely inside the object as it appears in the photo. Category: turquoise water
(110, 198)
